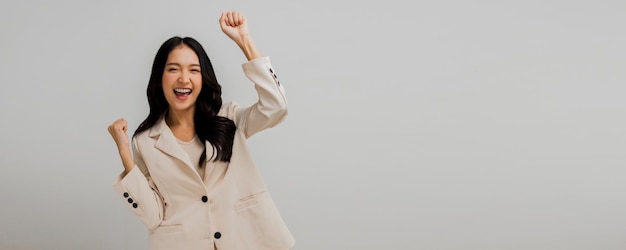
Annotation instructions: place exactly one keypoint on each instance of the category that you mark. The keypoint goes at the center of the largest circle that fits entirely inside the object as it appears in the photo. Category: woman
(190, 178)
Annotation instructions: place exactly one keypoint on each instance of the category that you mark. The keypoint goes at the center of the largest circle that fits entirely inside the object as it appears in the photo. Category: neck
(180, 118)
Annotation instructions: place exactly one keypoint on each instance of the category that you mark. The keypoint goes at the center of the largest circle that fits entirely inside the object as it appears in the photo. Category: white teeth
(182, 91)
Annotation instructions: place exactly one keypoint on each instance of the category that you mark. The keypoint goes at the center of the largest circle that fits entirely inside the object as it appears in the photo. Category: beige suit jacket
(166, 193)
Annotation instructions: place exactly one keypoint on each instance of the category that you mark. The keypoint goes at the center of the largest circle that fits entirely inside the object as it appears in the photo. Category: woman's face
(182, 80)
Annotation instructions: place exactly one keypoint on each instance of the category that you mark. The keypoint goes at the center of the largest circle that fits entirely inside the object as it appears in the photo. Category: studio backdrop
(435, 125)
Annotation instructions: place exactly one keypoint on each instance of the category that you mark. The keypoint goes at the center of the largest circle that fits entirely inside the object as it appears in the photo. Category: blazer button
(130, 200)
(134, 205)
(126, 195)
(205, 199)
(217, 235)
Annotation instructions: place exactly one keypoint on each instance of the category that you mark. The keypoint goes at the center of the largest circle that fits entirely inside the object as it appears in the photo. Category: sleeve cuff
(121, 183)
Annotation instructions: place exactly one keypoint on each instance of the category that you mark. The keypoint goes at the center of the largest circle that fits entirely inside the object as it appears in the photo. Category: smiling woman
(190, 178)
(184, 90)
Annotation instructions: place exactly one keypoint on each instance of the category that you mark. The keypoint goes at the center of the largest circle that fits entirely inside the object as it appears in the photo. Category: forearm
(248, 48)
(127, 159)
(271, 107)
(142, 197)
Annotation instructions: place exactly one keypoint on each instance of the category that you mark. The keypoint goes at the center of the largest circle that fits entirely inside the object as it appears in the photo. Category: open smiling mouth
(182, 94)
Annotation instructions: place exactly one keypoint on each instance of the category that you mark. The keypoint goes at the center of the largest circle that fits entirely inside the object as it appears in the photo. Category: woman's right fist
(117, 129)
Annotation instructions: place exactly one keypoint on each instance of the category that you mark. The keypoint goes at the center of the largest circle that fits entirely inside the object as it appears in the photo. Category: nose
(184, 77)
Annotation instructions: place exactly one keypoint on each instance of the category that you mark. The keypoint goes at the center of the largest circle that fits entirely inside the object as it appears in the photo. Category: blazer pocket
(168, 237)
(168, 229)
(250, 200)
(259, 219)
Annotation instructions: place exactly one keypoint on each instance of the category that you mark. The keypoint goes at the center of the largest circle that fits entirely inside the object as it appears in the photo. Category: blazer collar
(167, 143)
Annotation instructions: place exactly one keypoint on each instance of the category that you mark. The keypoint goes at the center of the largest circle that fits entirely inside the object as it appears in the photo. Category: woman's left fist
(234, 25)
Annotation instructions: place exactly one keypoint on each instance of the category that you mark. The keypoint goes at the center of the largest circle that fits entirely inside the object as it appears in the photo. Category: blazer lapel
(167, 143)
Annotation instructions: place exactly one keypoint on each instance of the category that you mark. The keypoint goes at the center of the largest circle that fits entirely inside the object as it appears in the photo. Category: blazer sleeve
(271, 107)
(140, 193)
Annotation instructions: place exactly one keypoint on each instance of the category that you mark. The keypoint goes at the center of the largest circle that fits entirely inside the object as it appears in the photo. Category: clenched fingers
(232, 18)
(117, 125)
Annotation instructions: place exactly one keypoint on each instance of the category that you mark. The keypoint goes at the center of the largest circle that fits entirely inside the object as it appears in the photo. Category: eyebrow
(178, 64)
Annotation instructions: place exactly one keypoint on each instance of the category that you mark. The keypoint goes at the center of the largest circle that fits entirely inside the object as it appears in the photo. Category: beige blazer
(181, 211)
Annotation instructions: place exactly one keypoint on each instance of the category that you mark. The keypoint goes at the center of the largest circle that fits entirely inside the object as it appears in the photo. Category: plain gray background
(413, 125)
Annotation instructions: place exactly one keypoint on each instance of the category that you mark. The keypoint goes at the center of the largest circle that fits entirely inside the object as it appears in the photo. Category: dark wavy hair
(219, 131)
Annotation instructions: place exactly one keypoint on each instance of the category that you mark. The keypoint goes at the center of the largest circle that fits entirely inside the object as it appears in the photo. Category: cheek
(197, 83)
(168, 80)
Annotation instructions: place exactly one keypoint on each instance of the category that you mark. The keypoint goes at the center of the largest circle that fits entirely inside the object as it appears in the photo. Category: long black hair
(219, 131)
